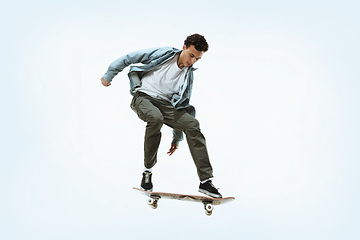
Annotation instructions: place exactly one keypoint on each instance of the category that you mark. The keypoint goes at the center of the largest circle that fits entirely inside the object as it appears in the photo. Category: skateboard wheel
(150, 201)
(208, 213)
(209, 207)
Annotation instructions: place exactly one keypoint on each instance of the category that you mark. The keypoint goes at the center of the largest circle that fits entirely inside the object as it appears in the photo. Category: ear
(184, 47)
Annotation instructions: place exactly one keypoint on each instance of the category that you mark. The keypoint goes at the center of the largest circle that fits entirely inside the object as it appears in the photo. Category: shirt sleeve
(177, 137)
(142, 56)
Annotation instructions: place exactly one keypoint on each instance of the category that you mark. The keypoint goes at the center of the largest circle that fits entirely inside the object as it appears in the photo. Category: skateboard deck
(208, 202)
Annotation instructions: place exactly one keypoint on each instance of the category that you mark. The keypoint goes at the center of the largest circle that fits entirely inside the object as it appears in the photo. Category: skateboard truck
(152, 201)
(208, 208)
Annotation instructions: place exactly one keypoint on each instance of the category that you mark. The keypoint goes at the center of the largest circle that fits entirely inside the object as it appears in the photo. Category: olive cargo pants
(156, 112)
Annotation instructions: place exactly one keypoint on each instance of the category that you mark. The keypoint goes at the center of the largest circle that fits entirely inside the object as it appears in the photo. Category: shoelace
(147, 177)
(213, 185)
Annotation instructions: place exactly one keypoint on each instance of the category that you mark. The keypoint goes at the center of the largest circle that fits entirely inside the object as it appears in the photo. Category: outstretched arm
(142, 56)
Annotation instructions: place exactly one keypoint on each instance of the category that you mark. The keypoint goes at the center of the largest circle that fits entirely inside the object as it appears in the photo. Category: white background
(277, 96)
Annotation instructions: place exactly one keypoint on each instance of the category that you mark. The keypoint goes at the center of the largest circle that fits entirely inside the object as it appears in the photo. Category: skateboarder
(162, 88)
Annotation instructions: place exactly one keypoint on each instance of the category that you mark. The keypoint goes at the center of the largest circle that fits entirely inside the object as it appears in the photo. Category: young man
(162, 88)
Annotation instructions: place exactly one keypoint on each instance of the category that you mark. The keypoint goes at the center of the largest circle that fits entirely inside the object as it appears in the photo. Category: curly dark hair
(198, 41)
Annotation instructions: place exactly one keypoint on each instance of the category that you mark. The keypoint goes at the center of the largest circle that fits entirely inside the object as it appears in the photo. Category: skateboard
(208, 202)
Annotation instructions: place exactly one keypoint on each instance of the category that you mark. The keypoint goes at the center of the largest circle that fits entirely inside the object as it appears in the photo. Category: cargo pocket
(142, 107)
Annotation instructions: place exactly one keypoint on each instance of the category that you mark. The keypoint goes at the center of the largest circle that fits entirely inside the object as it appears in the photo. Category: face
(189, 56)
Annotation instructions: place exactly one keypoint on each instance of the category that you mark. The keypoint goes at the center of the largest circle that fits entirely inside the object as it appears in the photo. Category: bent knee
(193, 124)
(155, 118)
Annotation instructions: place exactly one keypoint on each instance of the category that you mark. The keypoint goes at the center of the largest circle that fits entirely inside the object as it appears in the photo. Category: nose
(193, 60)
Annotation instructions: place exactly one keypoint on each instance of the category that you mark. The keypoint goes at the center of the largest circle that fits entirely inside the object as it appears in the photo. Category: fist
(105, 83)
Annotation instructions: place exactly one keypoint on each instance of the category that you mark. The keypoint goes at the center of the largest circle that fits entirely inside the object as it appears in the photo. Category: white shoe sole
(150, 190)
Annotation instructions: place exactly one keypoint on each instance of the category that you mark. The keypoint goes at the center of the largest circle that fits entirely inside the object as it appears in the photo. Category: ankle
(148, 170)
(209, 179)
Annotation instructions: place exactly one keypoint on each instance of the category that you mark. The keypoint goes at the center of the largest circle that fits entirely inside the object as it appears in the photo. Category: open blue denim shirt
(151, 59)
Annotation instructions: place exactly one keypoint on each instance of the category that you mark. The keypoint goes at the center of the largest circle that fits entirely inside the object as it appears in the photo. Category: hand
(172, 149)
(105, 83)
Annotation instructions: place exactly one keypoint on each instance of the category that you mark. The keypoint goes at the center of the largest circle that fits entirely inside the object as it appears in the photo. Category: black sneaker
(146, 183)
(209, 189)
